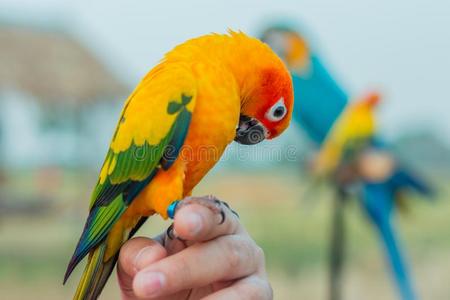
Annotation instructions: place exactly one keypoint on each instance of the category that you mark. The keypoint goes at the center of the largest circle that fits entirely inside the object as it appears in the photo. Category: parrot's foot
(169, 232)
(227, 206)
(210, 201)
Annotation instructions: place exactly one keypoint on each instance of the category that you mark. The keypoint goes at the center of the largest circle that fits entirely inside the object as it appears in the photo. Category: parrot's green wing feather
(151, 131)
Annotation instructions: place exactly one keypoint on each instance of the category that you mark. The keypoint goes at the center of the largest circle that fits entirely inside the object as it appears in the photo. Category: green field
(34, 249)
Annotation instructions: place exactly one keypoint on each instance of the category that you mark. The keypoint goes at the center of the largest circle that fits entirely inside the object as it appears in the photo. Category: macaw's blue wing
(318, 100)
(378, 201)
(406, 180)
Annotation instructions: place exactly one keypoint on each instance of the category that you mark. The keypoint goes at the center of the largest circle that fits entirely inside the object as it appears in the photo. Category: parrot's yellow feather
(149, 102)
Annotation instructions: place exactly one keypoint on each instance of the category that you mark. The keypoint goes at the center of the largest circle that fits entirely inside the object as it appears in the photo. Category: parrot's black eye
(277, 111)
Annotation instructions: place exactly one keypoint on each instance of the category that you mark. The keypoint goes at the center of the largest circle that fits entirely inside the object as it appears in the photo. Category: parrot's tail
(96, 273)
(101, 262)
(395, 257)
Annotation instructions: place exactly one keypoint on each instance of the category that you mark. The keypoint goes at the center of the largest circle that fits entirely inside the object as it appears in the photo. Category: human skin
(207, 260)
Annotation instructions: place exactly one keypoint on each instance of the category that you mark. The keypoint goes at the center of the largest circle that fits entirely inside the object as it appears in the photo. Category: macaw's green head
(289, 45)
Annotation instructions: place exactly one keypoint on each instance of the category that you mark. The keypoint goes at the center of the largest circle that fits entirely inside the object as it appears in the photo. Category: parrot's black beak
(250, 131)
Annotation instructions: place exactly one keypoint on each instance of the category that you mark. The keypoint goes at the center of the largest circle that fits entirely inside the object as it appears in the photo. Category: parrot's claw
(171, 235)
(228, 206)
(210, 201)
(169, 232)
(222, 215)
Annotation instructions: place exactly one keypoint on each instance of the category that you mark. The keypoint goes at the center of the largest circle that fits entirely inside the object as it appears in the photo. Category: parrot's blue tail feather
(396, 260)
(378, 201)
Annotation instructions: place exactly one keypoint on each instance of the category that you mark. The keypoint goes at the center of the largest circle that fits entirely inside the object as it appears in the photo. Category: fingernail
(195, 223)
(149, 284)
(142, 255)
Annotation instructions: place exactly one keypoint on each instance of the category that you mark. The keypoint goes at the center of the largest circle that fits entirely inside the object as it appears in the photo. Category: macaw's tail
(378, 200)
(398, 265)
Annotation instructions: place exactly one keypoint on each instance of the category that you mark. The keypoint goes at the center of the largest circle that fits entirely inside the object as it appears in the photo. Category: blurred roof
(53, 66)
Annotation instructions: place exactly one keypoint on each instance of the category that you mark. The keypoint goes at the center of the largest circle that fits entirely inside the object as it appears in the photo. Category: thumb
(134, 255)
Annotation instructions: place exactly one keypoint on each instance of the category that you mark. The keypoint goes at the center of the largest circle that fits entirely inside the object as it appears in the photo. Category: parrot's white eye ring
(277, 111)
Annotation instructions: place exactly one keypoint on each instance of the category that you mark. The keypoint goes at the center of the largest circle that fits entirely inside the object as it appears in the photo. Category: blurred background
(66, 68)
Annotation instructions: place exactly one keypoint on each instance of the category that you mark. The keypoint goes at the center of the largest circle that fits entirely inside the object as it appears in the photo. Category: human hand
(208, 260)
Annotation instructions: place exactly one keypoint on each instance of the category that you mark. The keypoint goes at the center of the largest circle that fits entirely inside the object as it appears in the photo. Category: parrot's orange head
(266, 96)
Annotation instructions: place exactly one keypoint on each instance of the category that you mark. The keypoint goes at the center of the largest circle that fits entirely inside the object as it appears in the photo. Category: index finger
(199, 223)
(138, 253)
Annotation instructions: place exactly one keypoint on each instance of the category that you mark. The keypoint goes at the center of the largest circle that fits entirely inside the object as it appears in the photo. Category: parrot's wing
(150, 133)
(319, 100)
(404, 179)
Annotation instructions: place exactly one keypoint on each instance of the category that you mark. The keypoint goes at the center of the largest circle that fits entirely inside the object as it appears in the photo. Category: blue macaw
(319, 102)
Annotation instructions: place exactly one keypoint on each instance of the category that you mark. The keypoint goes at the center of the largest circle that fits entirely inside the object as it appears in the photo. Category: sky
(400, 48)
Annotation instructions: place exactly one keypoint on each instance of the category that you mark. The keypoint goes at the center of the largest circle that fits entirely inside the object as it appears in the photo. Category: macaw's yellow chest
(212, 128)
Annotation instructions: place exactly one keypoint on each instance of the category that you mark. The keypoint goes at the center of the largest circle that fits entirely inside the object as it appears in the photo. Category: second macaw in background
(351, 152)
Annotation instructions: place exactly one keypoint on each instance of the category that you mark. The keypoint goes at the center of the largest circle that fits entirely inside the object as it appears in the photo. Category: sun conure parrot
(173, 128)
(322, 109)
